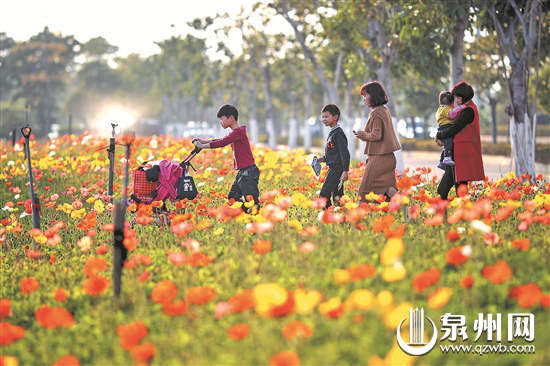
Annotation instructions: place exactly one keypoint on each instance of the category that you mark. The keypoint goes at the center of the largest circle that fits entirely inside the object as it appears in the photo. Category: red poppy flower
(60, 295)
(131, 334)
(94, 265)
(297, 328)
(287, 358)
(261, 246)
(453, 235)
(68, 360)
(53, 317)
(200, 295)
(426, 279)
(242, 301)
(176, 308)
(361, 271)
(164, 292)
(522, 244)
(10, 333)
(527, 295)
(498, 273)
(467, 281)
(239, 331)
(143, 352)
(95, 285)
(456, 256)
(5, 308)
(28, 285)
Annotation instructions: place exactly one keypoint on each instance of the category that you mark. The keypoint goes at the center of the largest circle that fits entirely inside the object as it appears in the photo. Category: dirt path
(495, 166)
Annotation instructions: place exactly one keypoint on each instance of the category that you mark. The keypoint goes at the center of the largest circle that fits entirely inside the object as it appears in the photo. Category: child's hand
(344, 176)
(361, 135)
(322, 159)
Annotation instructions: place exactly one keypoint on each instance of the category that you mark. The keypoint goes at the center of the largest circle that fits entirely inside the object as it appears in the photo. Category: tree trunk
(456, 51)
(292, 124)
(268, 108)
(493, 104)
(522, 128)
(413, 124)
(332, 93)
(376, 31)
(251, 91)
(347, 117)
(307, 112)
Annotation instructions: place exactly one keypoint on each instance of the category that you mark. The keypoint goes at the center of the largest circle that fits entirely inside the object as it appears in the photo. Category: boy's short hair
(446, 98)
(228, 110)
(332, 109)
(377, 93)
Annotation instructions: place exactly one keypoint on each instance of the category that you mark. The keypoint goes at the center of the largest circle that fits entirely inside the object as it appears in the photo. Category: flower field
(290, 285)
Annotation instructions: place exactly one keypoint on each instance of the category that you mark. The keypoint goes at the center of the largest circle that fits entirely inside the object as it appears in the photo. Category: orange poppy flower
(94, 265)
(527, 295)
(200, 295)
(29, 285)
(102, 249)
(297, 328)
(467, 281)
(434, 220)
(60, 295)
(68, 360)
(143, 352)
(95, 285)
(453, 235)
(545, 300)
(261, 246)
(522, 244)
(176, 308)
(457, 256)
(381, 223)
(5, 308)
(503, 213)
(239, 331)
(423, 280)
(361, 271)
(10, 333)
(242, 301)
(164, 292)
(498, 273)
(131, 334)
(52, 318)
(306, 247)
(287, 358)
(198, 259)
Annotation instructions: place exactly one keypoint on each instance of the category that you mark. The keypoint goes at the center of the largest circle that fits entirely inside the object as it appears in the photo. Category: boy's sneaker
(448, 161)
(441, 165)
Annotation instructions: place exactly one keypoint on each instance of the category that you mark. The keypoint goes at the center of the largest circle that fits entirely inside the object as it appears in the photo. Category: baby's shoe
(447, 160)
(441, 165)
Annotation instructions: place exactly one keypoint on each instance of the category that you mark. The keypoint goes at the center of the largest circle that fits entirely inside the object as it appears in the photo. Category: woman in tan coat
(381, 142)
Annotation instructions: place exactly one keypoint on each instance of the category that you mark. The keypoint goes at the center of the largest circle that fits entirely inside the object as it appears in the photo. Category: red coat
(467, 150)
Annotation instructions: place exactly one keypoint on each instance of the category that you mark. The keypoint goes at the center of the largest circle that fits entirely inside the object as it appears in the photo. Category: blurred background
(165, 68)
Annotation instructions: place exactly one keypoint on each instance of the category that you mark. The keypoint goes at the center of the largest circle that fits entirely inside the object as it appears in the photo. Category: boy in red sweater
(248, 176)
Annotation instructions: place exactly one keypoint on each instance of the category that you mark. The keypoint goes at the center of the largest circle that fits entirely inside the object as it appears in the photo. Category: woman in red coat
(467, 143)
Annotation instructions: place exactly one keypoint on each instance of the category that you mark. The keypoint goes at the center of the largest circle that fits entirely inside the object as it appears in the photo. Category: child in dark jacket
(336, 156)
(248, 176)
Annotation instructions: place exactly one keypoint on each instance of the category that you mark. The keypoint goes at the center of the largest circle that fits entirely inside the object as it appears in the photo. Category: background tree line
(280, 81)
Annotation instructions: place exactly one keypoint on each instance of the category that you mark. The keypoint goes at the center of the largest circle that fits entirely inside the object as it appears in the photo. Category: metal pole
(26, 132)
(119, 250)
(111, 159)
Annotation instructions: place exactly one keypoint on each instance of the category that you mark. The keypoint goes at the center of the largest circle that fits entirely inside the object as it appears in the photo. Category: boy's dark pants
(448, 143)
(330, 187)
(246, 183)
